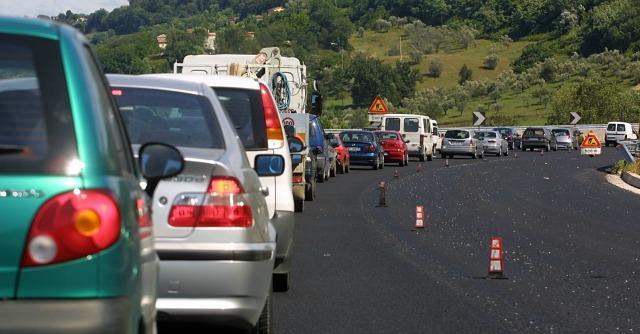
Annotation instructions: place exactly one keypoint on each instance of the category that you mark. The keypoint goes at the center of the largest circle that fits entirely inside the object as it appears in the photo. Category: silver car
(565, 138)
(461, 142)
(493, 142)
(212, 231)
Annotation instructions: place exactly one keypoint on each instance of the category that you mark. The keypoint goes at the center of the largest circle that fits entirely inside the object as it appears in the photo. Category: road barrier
(382, 200)
(496, 258)
(420, 217)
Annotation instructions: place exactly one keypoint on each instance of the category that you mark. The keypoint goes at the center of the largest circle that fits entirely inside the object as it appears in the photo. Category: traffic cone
(420, 218)
(419, 168)
(542, 151)
(395, 174)
(446, 162)
(515, 155)
(382, 200)
(496, 258)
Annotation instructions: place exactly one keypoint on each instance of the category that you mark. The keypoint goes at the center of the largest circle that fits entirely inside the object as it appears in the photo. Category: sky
(33, 8)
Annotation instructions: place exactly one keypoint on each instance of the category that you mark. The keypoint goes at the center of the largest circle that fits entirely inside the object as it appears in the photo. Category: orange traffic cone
(496, 258)
(419, 217)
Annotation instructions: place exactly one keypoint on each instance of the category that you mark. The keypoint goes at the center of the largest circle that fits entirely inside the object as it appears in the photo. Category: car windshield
(561, 132)
(488, 134)
(534, 132)
(456, 134)
(37, 133)
(179, 119)
(357, 136)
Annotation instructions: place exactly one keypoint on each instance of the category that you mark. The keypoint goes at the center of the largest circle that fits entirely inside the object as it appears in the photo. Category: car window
(620, 127)
(424, 124)
(387, 136)
(561, 132)
(357, 136)
(411, 125)
(175, 118)
(489, 134)
(36, 125)
(611, 127)
(456, 134)
(534, 132)
(245, 109)
(392, 124)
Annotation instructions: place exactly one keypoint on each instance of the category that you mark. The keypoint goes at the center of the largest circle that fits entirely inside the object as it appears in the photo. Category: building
(162, 41)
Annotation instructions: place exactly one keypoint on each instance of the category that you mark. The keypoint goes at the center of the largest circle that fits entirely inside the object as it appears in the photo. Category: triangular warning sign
(378, 106)
(591, 140)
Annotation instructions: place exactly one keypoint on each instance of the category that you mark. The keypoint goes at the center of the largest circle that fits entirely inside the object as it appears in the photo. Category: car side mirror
(295, 145)
(406, 141)
(328, 136)
(159, 161)
(269, 165)
(404, 135)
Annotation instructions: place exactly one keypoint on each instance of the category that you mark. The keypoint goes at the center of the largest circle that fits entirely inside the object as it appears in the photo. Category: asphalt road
(572, 250)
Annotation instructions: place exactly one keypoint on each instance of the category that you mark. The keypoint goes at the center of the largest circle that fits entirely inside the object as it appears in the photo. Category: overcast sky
(33, 8)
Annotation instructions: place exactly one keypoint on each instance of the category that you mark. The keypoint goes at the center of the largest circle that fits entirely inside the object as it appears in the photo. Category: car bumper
(221, 286)
(491, 148)
(298, 190)
(363, 159)
(462, 149)
(393, 155)
(415, 152)
(565, 144)
(284, 223)
(534, 144)
(108, 315)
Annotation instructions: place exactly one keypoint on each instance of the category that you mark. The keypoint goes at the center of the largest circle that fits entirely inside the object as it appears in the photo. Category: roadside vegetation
(520, 62)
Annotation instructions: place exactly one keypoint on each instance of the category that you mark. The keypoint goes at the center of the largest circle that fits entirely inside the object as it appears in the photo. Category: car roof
(26, 26)
(143, 81)
(229, 81)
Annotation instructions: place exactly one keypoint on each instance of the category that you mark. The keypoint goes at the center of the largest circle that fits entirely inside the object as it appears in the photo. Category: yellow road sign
(378, 106)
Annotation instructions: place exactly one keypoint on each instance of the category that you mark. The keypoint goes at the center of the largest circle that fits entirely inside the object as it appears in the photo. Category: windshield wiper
(11, 149)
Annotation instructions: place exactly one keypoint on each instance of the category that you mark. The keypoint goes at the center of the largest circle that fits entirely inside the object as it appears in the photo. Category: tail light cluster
(223, 205)
(72, 225)
(297, 178)
(275, 135)
(371, 148)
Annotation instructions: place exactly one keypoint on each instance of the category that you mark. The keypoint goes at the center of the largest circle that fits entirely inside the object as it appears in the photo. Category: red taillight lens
(144, 219)
(371, 148)
(72, 225)
(222, 206)
(297, 178)
(275, 135)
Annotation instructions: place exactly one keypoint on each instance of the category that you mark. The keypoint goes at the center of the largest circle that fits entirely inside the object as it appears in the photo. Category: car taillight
(371, 148)
(70, 226)
(223, 205)
(144, 219)
(297, 178)
(275, 135)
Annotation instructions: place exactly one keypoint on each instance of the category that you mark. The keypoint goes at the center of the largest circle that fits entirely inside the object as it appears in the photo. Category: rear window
(356, 136)
(411, 125)
(611, 127)
(561, 132)
(621, 127)
(534, 132)
(36, 125)
(456, 134)
(503, 131)
(179, 119)
(488, 134)
(392, 124)
(387, 136)
(245, 109)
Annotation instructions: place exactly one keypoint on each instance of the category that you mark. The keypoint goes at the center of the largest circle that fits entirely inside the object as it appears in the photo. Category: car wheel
(421, 158)
(548, 148)
(430, 157)
(334, 170)
(298, 205)
(443, 156)
(382, 163)
(499, 152)
(507, 152)
(482, 154)
(265, 322)
(320, 176)
(523, 148)
(475, 154)
(348, 168)
(376, 164)
(310, 194)
(555, 147)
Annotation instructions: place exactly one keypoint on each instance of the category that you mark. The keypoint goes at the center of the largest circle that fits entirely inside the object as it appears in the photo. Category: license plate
(456, 143)
(354, 149)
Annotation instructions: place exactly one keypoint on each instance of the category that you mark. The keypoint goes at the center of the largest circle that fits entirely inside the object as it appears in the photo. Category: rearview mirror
(269, 165)
(296, 145)
(159, 161)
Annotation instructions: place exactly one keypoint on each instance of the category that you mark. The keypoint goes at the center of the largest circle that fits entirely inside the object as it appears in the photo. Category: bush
(394, 51)
(415, 56)
(531, 54)
(435, 68)
(382, 25)
(465, 74)
(490, 62)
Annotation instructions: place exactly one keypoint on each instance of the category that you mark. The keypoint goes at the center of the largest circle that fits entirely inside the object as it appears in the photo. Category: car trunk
(26, 196)
(356, 147)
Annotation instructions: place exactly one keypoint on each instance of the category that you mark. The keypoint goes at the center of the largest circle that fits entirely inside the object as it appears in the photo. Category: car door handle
(264, 191)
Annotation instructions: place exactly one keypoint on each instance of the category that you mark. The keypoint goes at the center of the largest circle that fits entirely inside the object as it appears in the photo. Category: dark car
(326, 155)
(538, 137)
(395, 147)
(510, 135)
(364, 148)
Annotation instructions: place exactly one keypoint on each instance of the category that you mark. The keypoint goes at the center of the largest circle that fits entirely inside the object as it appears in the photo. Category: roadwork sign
(590, 145)
(378, 106)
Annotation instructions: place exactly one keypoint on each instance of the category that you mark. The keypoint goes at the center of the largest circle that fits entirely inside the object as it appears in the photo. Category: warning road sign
(378, 106)
(590, 145)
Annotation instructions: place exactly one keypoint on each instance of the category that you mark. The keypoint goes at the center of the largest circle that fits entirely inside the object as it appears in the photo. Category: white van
(417, 130)
(618, 131)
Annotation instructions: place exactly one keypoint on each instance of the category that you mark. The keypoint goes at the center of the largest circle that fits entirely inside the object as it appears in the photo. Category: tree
(531, 54)
(181, 43)
(490, 62)
(435, 68)
(465, 74)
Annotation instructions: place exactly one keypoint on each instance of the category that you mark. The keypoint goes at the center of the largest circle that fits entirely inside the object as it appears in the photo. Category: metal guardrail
(630, 149)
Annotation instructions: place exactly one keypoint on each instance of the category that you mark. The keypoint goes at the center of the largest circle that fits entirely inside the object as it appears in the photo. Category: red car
(395, 148)
(343, 164)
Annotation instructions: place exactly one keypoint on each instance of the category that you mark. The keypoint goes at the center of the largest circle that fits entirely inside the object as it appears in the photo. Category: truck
(287, 78)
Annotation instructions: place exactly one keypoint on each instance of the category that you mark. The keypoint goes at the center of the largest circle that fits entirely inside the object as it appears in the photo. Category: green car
(76, 248)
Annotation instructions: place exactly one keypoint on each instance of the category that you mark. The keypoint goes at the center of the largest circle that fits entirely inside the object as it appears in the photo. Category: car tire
(475, 155)
(281, 282)
(382, 163)
(298, 205)
(482, 155)
(265, 322)
(376, 164)
(506, 154)
(334, 170)
(421, 157)
(348, 167)
(548, 148)
(523, 148)
(555, 147)
(320, 177)
(430, 157)
(310, 194)
(499, 154)
(443, 156)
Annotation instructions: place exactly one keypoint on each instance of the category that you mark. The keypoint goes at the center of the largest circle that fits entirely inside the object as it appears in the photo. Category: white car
(619, 131)
(253, 111)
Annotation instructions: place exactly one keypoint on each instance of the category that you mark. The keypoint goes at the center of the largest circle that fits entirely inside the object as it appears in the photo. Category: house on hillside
(210, 42)
(162, 41)
(274, 10)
